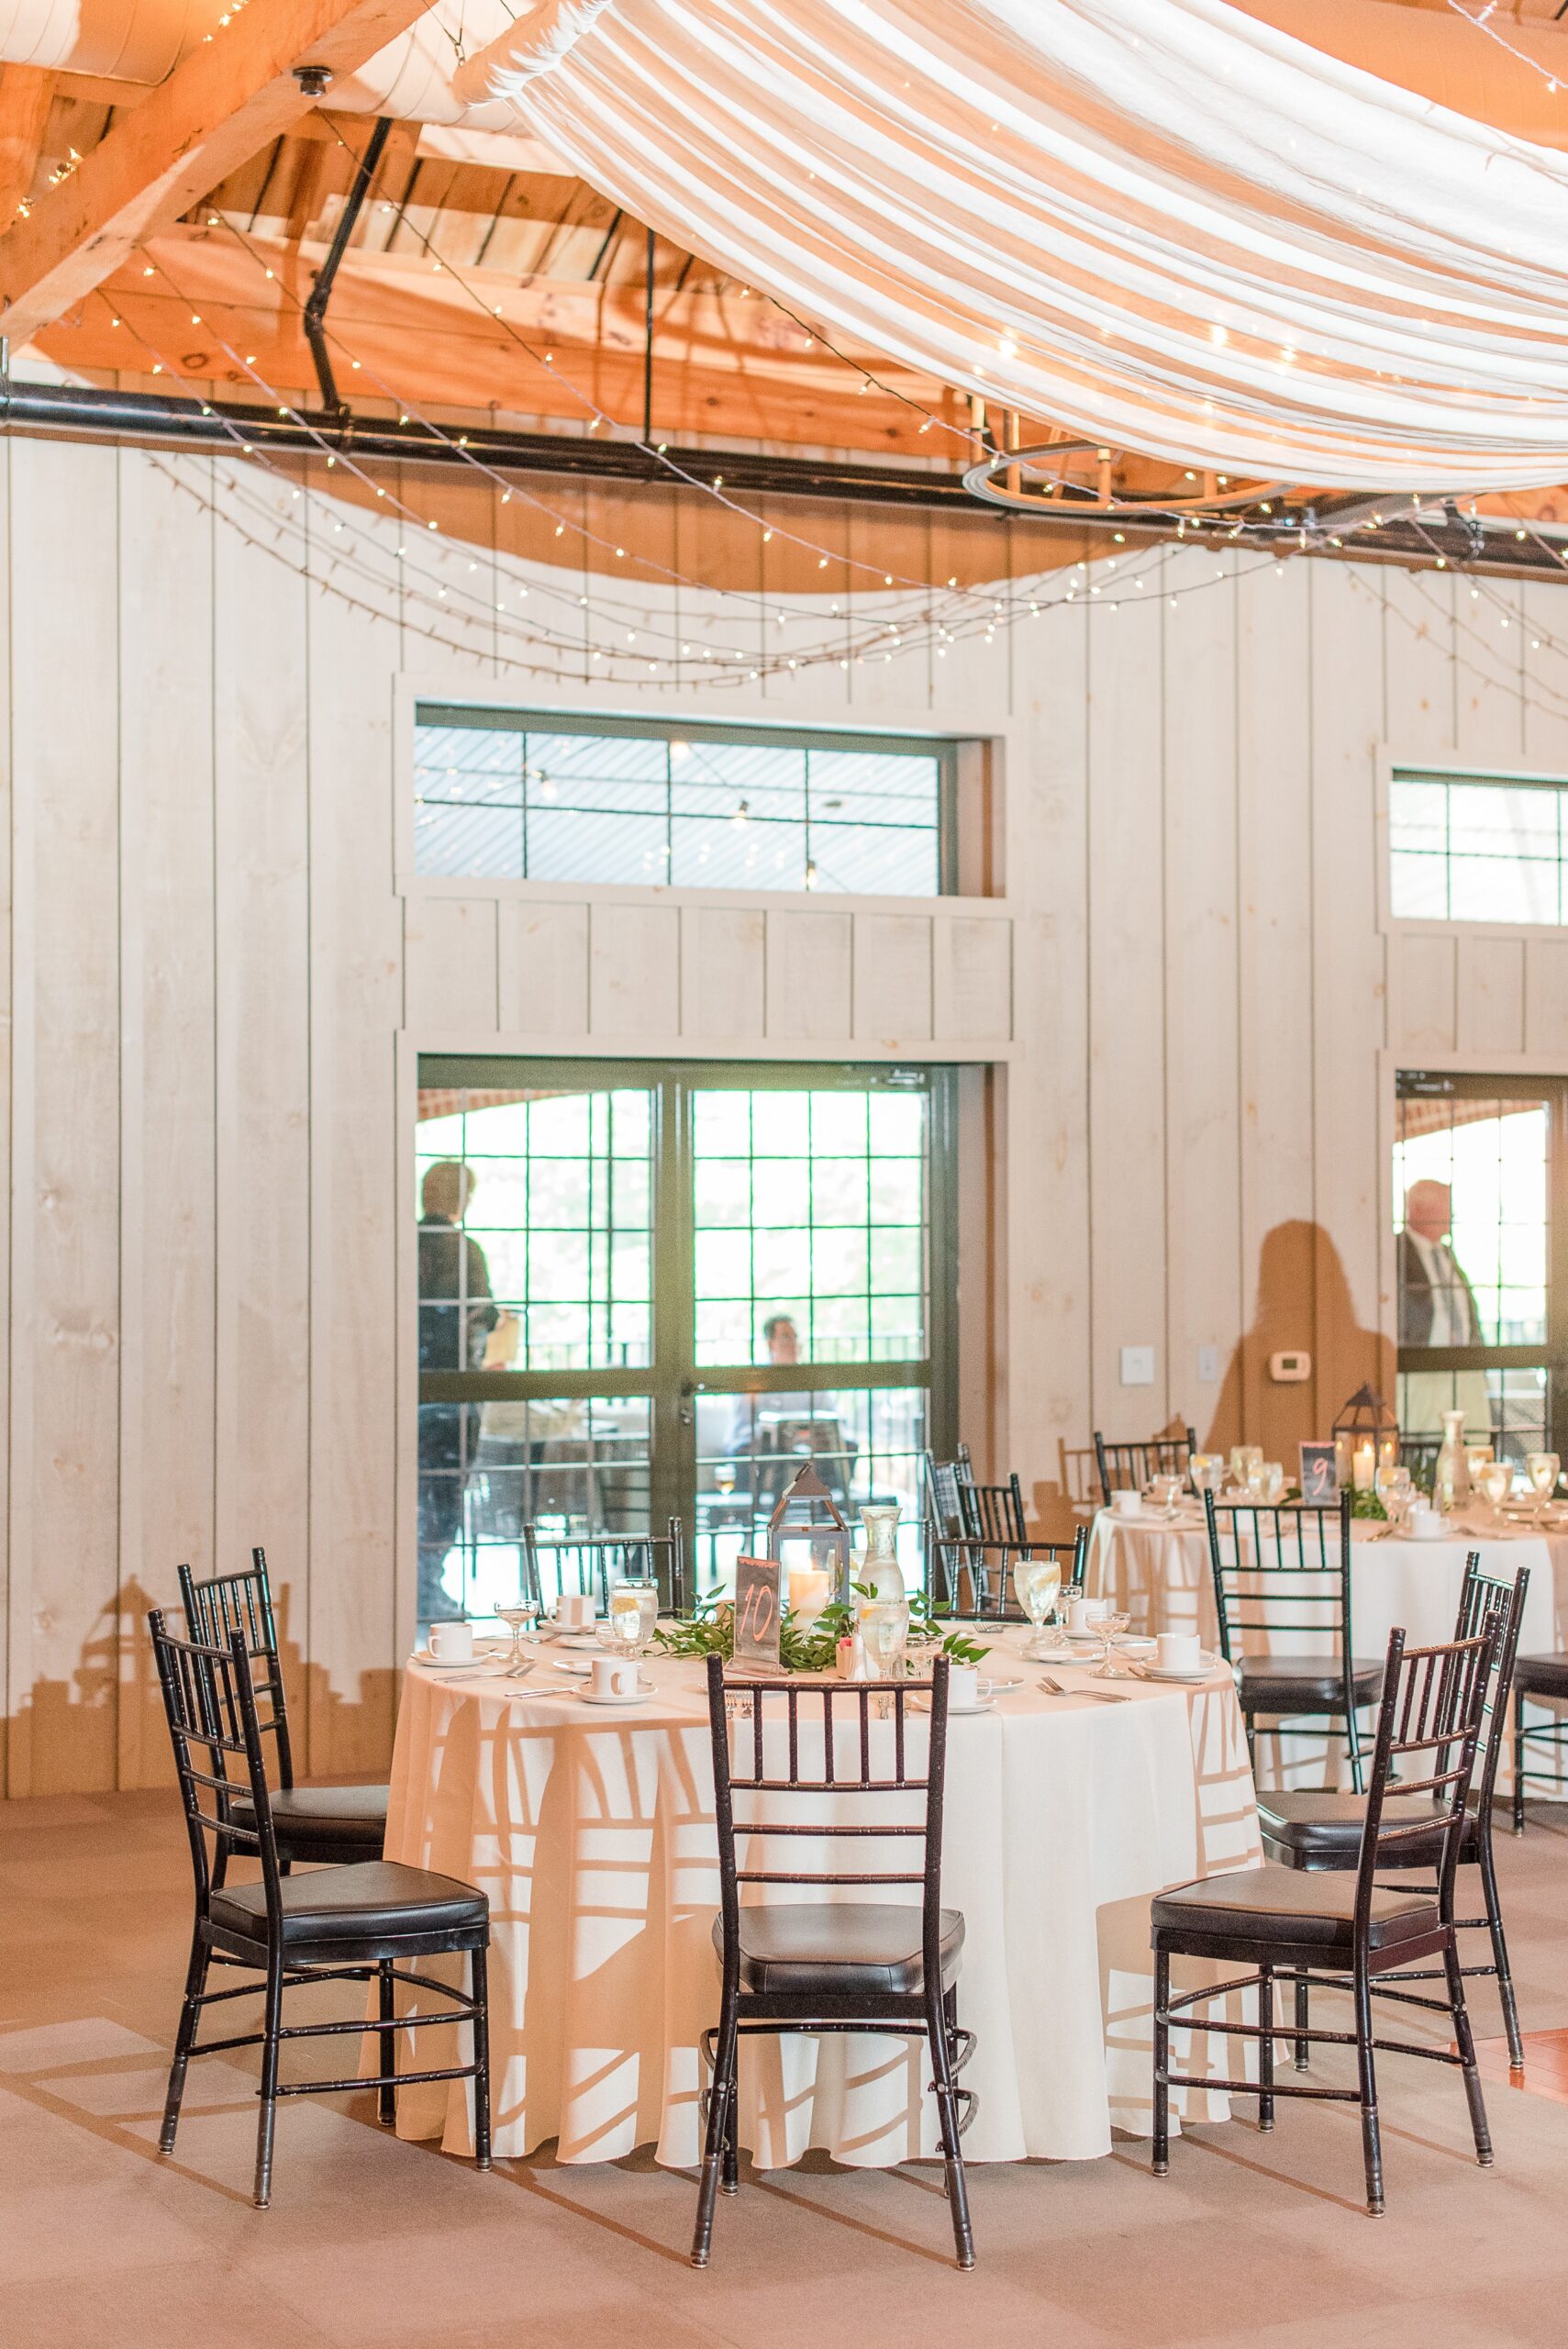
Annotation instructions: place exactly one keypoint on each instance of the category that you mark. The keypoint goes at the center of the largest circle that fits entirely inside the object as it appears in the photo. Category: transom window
(1477, 848)
(518, 795)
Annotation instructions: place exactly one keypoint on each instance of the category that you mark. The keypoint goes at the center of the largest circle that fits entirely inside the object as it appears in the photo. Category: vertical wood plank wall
(207, 968)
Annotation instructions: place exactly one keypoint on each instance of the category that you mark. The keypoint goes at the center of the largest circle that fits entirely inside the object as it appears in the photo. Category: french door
(650, 1291)
(1481, 1219)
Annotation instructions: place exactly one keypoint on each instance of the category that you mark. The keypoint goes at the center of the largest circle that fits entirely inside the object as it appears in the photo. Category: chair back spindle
(1131, 1466)
(589, 1565)
(1433, 1705)
(222, 1605)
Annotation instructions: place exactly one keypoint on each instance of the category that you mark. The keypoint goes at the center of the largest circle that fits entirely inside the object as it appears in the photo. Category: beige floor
(1250, 2241)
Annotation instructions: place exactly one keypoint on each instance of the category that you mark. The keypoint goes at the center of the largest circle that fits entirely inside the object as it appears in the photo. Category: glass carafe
(878, 1569)
(1451, 1477)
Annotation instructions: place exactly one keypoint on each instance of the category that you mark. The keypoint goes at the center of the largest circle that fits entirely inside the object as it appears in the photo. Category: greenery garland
(807, 1647)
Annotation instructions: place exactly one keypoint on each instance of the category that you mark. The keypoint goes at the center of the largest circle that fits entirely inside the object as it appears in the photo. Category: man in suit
(1437, 1308)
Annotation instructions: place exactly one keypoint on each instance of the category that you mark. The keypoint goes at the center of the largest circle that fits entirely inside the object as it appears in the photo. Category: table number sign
(758, 1613)
(1319, 1484)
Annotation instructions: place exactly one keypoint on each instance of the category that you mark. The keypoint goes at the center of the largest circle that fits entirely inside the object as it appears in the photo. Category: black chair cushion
(1541, 1675)
(377, 1902)
(1317, 1829)
(1304, 1683)
(798, 1949)
(343, 1822)
(1287, 1907)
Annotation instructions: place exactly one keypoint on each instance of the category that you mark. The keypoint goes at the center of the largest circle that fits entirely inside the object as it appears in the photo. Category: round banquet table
(593, 1834)
(1159, 1572)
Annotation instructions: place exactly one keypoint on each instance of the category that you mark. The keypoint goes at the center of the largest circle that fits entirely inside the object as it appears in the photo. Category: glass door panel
(646, 1292)
(1478, 1179)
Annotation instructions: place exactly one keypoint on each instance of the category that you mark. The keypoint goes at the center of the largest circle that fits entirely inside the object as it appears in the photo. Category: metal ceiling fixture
(1057, 476)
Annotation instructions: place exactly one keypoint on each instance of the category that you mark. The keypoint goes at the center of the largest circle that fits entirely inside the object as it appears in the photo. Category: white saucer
(454, 1664)
(581, 1639)
(590, 1696)
(985, 1704)
(1443, 1534)
(1172, 1672)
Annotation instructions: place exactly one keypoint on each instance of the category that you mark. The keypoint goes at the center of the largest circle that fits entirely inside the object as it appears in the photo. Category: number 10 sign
(757, 1613)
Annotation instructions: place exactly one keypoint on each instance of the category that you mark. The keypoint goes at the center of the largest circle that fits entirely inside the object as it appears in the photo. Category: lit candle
(810, 1588)
(1364, 1472)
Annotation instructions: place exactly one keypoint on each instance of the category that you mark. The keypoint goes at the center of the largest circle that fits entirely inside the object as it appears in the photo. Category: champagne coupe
(1036, 1586)
(1111, 1628)
(1543, 1467)
(517, 1618)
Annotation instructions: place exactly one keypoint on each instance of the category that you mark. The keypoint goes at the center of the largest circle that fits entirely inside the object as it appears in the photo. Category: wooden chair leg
(947, 2116)
(1265, 2048)
(1372, 2135)
(1488, 1865)
(1466, 2046)
(184, 2038)
(386, 2095)
(1353, 1746)
(272, 2025)
(1161, 2161)
(479, 1984)
(720, 2089)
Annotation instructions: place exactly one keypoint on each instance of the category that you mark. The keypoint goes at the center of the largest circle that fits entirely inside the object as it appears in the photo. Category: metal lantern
(1366, 1438)
(828, 1542)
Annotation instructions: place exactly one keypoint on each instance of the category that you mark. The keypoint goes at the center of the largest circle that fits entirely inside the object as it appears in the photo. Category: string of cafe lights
(1481, 19)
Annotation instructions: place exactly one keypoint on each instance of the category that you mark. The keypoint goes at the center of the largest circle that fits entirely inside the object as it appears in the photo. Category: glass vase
(878, 1569)
(1451, 1477)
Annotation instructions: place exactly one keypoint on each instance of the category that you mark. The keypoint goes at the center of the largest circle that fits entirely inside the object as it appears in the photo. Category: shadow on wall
(103, 1728)
(1304, 1305)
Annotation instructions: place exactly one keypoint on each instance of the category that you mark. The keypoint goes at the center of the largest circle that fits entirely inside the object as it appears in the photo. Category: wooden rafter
(233, 94)
(26, 96)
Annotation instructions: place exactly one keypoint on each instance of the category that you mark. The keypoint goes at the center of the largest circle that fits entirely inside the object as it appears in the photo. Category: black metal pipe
(648, 347)
(65, 411)
(314, 317)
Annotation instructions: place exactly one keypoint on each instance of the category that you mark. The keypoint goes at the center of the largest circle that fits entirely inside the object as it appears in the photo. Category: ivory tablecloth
(1160, 1573)
(591, 1833)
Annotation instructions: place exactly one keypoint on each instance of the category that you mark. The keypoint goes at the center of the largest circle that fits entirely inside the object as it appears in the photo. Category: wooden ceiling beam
(25, 98)
(229, 97)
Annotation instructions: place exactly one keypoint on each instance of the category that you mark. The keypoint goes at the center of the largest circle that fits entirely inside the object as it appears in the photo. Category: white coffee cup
(613, 1676)
(452, 1642)
(1083, 1614)
(1425, 1523)
(574, 1611)
(1128, 1503)
(1179, 1651)
(966, 1687)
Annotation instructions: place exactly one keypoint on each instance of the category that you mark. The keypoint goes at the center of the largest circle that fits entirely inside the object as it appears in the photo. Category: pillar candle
(810, 1587)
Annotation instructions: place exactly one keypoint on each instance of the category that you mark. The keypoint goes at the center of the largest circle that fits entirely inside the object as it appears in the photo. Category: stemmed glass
(884, 1627)
(1036, 1586)
(632, 1619)
(1394, 1489)
(1543, 1467)
(1496, 1483)
(1111, 1629)
(1206, 1470)
(517, 1618)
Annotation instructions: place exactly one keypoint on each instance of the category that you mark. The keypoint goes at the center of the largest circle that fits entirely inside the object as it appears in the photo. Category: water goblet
(1496, 1484)
(1206, 1470)
(1111, 1629)
(517, 1618)
(633, 1613)
(1541, 1468)
(1036, 1586)
(885, 1628)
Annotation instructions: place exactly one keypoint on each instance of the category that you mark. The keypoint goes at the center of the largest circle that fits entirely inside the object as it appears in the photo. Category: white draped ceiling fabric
(1158, 222)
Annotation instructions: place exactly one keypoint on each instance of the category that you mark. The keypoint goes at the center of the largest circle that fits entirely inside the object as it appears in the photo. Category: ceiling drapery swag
(1157, 221)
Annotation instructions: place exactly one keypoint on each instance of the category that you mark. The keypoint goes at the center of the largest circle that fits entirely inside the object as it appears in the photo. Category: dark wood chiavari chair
(1544, 1678)
(973, 1577)
(590, 1565)
(309, 1823)
(822, 1964)
(1286, 1572)
(1131, 1465)
(335, 1924)
(988, 1512)
(944, 1508)
(1318, 1829)
(1346, 1931)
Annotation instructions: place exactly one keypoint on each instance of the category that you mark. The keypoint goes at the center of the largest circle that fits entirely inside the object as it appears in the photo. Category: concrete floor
(1251, 2243)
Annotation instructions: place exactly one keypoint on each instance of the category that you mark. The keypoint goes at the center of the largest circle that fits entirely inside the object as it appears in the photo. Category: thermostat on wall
(1289, 1370)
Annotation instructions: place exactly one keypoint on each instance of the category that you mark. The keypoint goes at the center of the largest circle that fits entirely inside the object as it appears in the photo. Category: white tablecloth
(592, 1835)
(1160, 1573)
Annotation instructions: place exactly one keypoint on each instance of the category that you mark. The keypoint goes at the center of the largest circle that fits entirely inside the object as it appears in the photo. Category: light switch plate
(1208, 1365)
(1138, 1365)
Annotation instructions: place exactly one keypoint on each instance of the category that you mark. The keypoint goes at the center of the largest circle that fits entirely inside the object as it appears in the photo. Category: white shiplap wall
(213, 987)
